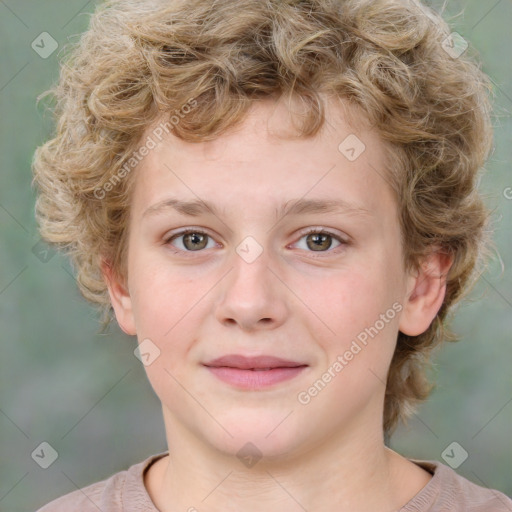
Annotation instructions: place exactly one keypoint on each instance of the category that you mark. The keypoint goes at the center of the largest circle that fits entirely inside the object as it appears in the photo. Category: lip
(253, 362)
(254, 372)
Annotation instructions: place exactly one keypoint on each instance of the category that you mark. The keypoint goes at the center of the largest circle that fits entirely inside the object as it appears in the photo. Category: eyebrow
(196, 207)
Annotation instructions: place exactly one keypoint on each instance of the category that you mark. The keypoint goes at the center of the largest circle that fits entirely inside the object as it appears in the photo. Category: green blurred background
(88, 396)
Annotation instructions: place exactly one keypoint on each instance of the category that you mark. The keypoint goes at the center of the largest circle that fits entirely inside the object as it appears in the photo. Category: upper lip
(247, 363)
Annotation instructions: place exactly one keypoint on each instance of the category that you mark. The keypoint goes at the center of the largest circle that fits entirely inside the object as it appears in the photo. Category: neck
(343, 474)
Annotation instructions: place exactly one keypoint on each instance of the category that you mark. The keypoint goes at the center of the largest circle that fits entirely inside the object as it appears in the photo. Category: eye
(193, 240)
(320, 240)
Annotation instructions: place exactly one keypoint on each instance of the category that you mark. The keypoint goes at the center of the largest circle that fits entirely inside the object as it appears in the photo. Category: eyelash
(319, 231)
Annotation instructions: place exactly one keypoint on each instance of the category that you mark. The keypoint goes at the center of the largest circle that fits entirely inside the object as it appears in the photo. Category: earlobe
(120, 299)
(425, 293)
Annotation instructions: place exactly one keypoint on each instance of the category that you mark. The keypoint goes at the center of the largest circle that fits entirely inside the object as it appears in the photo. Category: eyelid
(181, 232)
(324, 231)
(313, 229)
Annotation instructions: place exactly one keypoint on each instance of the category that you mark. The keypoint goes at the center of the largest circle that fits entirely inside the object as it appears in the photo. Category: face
(322, 288)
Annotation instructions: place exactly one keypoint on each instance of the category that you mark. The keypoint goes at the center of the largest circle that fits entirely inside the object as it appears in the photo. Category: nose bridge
(251, 276)
(250, 294)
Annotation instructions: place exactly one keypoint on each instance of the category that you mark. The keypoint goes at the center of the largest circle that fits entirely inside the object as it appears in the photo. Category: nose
(252, 296)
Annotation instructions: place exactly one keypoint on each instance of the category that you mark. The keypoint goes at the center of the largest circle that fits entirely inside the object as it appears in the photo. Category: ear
(120, 299)
(426, 289)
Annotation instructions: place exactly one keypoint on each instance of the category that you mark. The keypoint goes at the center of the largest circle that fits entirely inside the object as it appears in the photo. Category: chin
(256, 434)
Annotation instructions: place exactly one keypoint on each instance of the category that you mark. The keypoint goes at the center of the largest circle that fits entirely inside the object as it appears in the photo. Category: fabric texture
(447, 491)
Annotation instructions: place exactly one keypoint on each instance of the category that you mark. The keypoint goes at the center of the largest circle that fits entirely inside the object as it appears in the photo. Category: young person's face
(259, 285)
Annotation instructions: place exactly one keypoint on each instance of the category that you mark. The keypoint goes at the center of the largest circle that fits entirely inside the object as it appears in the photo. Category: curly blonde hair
(144, 59)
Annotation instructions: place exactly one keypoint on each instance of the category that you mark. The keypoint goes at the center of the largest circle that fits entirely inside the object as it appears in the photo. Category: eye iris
(195, 238)
(195, 241)
(319, 239)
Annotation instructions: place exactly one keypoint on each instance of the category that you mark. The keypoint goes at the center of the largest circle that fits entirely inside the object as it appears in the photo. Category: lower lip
(255, 379)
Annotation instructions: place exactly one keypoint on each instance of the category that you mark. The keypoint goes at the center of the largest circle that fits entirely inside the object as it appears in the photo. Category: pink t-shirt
(125, 492)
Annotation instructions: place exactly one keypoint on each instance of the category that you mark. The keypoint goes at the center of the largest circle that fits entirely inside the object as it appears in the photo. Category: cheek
(166, 315)
(167, 308)
(362, 311)
(364, 317)
(162, 299)
(352, 301)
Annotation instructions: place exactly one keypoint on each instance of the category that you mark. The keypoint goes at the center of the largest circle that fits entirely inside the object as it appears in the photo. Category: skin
(292, 301)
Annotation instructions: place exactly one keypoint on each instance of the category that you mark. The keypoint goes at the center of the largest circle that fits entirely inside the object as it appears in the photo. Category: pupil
(319, 239)
(195, 239)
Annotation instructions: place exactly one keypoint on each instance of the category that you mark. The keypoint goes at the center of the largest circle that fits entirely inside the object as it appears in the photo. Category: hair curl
(142, 59)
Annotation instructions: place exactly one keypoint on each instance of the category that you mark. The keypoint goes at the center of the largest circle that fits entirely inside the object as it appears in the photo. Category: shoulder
(449, 491)
(92, 497)
(109, 495)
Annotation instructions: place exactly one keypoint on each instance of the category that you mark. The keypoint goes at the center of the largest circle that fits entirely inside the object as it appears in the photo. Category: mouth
(254, 372)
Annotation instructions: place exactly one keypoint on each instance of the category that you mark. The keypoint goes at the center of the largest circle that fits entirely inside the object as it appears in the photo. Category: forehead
(261, 163)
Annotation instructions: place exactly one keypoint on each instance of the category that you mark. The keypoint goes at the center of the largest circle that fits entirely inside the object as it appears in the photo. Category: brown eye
(191, 240)
(318, 240)
(195, 241)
